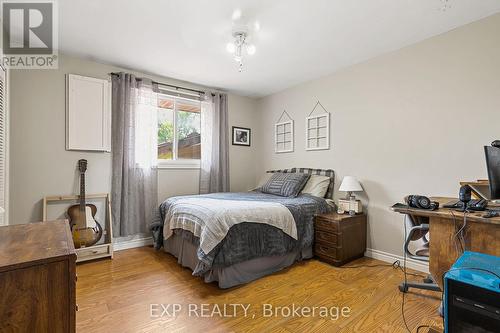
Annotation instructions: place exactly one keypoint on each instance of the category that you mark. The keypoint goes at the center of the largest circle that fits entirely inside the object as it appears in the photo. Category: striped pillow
(285, 184)
(321, 172)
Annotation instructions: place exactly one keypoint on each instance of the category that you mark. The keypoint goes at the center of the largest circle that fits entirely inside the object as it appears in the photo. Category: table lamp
(350, 184)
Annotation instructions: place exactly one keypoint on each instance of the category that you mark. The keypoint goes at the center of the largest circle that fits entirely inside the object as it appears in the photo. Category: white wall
(40, 165)
(412, 121)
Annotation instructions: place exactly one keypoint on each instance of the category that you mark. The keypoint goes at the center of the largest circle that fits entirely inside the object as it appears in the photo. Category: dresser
(339, 238)
(37, 278)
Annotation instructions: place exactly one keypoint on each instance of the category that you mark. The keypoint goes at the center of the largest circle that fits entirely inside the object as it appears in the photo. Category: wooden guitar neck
(82, 191)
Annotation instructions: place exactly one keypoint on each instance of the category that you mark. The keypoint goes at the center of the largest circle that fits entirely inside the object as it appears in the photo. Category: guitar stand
(100, 250)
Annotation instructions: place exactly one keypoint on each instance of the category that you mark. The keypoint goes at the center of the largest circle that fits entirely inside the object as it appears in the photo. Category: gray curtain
(134, 187)
(214, 166)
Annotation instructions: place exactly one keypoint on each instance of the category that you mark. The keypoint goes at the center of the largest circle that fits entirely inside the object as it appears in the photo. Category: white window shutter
(88, 113)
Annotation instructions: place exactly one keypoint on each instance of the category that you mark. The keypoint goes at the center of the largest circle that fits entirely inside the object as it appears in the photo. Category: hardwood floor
(116, 296)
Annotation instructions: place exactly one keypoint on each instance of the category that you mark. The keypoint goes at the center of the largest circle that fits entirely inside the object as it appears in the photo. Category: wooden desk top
(448, 213)
(26, 244)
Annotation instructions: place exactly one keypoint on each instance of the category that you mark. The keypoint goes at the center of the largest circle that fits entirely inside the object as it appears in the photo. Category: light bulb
(236, 14)
(251, 49)
(230, 47)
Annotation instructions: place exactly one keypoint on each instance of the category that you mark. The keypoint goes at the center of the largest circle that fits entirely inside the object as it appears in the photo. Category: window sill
(179, 164)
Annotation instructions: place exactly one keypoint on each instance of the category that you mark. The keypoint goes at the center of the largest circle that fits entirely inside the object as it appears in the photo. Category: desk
(481, 235)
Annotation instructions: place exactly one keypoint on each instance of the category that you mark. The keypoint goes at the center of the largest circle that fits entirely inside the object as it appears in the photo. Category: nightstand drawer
(338, 238)
(324, 224)
(322, 250)
(326, 237)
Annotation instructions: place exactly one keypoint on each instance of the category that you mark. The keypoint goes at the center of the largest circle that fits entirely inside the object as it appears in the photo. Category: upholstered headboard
(321, 172)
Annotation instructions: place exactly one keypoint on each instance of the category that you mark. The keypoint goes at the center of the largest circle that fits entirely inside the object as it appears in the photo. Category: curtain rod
(168, 85)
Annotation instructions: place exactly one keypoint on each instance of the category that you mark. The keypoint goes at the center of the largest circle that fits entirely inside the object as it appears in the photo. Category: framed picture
(241, 136)
(283, 137)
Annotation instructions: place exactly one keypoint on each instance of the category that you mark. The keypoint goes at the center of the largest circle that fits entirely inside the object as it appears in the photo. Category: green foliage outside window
(186, 124)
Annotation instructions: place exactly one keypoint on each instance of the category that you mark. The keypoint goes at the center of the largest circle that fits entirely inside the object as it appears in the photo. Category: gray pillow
(285, 184)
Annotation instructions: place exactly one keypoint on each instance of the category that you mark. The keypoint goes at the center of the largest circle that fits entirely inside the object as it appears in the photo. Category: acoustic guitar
(85, 229)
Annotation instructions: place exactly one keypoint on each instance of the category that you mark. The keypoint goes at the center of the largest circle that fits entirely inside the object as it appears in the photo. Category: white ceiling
(298, 40)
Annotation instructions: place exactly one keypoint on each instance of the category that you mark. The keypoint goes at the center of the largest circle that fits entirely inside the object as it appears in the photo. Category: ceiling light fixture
(240, 45)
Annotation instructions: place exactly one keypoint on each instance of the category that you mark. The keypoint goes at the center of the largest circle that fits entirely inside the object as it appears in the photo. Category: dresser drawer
(321, 250)
(324, 224)
(326, 237)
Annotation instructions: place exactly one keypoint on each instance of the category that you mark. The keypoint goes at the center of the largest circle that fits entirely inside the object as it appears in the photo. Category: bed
(235, 238)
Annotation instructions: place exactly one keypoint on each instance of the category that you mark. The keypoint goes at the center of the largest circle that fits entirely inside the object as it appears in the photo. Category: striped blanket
(210, 219)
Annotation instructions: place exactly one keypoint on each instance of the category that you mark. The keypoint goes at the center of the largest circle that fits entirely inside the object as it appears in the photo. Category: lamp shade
(350, 184)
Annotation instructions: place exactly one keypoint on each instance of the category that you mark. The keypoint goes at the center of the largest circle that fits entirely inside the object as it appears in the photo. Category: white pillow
(317, 185)
(263, 180)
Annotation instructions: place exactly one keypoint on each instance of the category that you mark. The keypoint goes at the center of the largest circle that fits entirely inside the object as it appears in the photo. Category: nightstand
(339, 239)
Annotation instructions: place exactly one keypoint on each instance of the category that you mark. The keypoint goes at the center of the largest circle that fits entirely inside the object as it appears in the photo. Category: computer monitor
(493, 165)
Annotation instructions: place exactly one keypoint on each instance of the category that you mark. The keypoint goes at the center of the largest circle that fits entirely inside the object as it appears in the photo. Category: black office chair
(417, 228)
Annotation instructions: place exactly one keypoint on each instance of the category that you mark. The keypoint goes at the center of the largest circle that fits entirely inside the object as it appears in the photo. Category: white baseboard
(389, 257)
(133, 243)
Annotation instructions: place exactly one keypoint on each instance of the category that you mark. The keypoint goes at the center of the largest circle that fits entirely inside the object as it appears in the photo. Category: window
(179, 131)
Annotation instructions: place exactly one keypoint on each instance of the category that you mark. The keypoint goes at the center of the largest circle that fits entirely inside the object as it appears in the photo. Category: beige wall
(412, 121)
(41, 166)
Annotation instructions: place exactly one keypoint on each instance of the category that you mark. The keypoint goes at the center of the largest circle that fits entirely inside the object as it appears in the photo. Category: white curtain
(146, 127)
(214, 166)
(134, 188)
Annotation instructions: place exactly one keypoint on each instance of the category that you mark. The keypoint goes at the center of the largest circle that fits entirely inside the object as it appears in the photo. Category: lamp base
(348, 205)
(349, 196)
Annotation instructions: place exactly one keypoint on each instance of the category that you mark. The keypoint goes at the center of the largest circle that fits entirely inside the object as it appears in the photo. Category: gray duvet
(246, 241)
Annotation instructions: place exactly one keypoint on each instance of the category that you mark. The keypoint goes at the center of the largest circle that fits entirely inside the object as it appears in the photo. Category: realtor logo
(29, 34)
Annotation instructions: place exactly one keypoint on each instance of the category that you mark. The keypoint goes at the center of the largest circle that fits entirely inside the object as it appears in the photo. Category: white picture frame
(318, 132)
(284, 137)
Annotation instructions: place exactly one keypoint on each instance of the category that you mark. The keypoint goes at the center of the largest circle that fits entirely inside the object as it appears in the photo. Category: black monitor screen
(493, 165)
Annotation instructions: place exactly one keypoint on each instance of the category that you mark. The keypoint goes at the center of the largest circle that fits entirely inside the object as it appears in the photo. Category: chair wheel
(403, 288)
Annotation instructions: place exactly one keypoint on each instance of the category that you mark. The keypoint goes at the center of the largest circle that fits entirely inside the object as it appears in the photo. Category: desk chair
(417, 228)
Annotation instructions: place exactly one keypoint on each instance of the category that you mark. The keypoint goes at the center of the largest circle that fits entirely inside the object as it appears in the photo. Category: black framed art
(241, 136)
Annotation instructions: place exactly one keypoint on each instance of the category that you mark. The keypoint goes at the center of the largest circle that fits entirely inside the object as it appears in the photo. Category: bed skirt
(236, 274)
